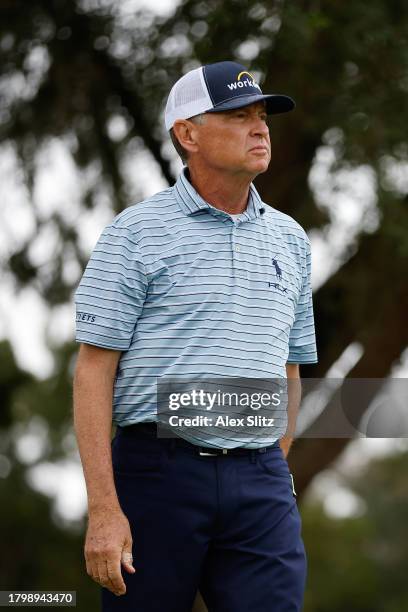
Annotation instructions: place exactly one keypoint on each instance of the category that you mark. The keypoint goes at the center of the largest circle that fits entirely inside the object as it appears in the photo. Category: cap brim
(275, 103)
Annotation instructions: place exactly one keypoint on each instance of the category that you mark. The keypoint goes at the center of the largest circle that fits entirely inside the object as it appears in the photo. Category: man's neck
(228, 192)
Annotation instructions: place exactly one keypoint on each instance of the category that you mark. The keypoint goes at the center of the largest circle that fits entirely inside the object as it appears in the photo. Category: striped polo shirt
(185, 289)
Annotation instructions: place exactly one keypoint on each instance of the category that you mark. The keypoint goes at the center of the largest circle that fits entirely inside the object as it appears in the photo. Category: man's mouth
(260, 148)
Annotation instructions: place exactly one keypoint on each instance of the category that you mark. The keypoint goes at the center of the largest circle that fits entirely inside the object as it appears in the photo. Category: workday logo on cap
(244, 82)
(218, 87)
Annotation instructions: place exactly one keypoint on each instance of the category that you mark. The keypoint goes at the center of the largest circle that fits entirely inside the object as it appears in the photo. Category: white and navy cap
(218, 87)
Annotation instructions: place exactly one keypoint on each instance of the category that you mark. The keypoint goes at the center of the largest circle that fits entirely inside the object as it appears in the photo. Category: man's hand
(108, 544)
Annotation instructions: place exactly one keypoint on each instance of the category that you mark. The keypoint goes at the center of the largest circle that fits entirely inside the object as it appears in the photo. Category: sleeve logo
(85, 316)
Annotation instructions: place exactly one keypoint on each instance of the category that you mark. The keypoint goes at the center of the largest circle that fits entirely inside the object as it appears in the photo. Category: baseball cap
(218, 87)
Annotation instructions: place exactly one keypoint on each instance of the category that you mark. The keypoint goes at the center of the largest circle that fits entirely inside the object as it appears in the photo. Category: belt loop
(253, 456)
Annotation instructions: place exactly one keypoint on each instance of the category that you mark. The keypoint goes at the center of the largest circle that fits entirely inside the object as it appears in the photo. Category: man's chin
(258, 167)
(252, 168)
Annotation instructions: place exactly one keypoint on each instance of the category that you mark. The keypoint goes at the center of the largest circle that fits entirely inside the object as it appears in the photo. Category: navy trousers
(226, 525)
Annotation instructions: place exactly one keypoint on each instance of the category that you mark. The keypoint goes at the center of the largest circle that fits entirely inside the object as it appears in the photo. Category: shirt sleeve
(302, 338)
(110, 296)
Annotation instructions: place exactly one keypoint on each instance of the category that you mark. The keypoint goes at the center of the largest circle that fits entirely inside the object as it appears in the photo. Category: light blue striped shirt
(183, 289)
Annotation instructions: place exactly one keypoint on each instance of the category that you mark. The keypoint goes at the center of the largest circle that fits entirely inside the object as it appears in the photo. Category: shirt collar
(191, 202)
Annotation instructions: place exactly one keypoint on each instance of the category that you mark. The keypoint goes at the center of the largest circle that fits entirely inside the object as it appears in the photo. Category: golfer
(200, 280)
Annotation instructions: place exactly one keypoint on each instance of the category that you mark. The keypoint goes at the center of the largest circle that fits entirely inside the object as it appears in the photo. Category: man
(202, 279)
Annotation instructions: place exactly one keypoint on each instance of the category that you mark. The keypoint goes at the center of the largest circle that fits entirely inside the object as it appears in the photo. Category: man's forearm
(294, 389)
(285, 443)
(93, 425)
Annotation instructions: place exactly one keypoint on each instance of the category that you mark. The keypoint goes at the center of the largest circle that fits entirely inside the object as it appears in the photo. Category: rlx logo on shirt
(278, 271)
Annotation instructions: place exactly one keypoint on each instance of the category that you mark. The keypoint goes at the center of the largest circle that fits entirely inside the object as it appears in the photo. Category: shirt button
(237, 248)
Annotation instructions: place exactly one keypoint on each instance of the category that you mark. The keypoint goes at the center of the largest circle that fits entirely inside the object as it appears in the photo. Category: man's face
(236, 141)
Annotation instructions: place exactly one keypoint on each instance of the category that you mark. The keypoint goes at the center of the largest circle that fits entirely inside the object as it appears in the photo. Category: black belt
(149, 430)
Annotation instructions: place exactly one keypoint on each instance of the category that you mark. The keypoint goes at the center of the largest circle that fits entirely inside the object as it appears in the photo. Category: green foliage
(11, 380)
(37, 552)
(359, 564)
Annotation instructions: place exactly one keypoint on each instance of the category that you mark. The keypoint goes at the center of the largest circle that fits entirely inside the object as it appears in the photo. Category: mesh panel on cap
(189, 89)
(188, 97)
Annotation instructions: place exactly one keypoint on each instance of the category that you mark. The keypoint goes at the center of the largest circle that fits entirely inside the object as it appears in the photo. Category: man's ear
(186, 131)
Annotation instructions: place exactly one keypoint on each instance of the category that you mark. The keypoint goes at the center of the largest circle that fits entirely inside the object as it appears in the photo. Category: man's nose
(260, 128)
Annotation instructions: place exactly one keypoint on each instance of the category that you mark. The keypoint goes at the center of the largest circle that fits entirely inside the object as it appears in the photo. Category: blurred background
(82, 90)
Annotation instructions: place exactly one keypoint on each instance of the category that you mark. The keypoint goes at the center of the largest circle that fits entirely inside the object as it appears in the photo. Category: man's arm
(294, 396)
(108, 535)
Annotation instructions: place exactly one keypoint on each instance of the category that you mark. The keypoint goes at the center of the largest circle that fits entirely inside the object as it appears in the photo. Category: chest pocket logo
(283, 282)
(279, 282)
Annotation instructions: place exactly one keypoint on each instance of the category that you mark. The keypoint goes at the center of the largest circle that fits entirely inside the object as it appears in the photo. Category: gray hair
(197, 119)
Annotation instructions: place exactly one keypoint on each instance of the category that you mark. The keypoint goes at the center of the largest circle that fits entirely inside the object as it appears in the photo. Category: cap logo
(244, 83)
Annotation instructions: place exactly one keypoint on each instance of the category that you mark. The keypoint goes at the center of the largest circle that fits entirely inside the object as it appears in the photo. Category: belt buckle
(208, 454)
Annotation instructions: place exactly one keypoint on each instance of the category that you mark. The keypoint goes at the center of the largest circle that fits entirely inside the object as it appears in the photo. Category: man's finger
(91, 566)
(103, 577)
(127, 561)
(115, 576)
(92, 570)
(88, 567)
